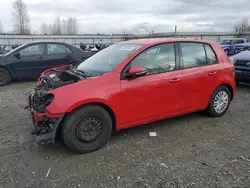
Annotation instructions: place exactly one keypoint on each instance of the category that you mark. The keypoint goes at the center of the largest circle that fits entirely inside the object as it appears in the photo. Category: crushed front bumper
(43, 126)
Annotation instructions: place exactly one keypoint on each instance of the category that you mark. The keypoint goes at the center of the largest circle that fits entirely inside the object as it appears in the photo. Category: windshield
(109, 58)
(224, 42)
(11, 51)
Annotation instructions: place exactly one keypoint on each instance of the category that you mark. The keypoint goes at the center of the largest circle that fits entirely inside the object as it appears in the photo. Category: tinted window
(211, 57)
(36, 49)
(240, 41)
(193, 54)
(57, 49)
(157, 59)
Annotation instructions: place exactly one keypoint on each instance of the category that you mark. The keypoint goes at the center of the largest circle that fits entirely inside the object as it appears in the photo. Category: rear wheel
(219, 102)
(5, 77)
(87, 129)
(226, 51)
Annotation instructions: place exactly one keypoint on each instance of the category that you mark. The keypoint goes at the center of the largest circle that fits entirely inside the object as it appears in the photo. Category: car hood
(55, 69)
(245, 55)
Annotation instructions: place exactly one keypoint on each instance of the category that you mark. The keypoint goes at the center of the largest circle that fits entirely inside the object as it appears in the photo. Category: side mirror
(137, 71)
(17, 55)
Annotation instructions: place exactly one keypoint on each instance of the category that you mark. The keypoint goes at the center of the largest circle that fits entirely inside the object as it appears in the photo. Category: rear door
(56, 55)
(200, 75)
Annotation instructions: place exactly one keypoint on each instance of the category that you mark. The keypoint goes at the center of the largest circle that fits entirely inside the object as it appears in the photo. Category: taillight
(232, 60)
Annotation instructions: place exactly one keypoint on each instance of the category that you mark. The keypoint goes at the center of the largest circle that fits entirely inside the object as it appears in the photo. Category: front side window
(57, 49)
(36, 49)
(157, 59)
(193, 54)
(109, 58)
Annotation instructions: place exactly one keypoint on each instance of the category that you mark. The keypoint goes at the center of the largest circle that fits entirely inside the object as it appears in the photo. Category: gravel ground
(189, 151)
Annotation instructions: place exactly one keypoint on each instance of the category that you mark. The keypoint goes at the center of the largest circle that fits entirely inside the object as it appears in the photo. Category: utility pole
(175, 31)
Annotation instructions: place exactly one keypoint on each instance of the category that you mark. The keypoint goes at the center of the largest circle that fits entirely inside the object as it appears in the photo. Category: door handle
(211, 73)
(174, 80)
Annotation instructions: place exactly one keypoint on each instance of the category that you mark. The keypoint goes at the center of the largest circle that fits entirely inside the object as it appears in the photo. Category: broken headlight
(44, 101)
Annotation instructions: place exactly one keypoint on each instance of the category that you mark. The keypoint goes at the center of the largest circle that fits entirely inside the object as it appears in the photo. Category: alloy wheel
(221, 102)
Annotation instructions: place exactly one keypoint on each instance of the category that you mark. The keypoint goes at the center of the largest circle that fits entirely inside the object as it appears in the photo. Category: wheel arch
(230, 89)
(100, 104)
(1, 66)
(226, 85)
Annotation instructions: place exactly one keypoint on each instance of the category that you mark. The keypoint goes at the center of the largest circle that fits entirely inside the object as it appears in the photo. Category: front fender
(103, 90)
(88, 101)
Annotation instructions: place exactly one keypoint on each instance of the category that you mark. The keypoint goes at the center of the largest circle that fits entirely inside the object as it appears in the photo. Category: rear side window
(211, 57)
(196, 55)
(57, 49)
(193, 54)
(239, 41)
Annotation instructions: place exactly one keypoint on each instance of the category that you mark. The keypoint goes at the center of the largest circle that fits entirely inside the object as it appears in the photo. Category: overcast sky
(138, 16)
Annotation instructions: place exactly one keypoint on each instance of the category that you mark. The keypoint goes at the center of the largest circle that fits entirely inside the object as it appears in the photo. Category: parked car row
(241, 63)
(127, 84)
(93, 48)
(232, 46)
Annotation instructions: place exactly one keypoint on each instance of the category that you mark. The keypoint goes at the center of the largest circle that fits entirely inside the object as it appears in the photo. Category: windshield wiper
(85, 73)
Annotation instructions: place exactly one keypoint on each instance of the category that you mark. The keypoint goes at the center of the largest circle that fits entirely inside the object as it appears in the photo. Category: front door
(155, 94)
(29, 61)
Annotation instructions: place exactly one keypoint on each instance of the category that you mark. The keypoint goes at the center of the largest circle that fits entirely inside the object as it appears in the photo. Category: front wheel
(219, 102)
(87, 129)
(5, 77)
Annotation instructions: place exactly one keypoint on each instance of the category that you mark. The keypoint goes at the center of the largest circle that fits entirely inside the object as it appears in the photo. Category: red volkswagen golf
(128, 84)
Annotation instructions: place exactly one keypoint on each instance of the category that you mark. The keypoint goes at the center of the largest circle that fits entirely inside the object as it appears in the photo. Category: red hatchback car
(128, 84)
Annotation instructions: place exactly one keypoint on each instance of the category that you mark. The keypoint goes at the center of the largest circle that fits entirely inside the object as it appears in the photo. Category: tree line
(242, 26)
(60, 27)
(21, 22)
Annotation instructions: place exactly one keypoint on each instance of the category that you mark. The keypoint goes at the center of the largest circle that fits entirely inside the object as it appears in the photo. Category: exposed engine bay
(60, 78)
(39, 98)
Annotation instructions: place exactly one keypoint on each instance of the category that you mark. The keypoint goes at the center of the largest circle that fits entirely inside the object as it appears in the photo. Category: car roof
(45, 42)
(234, 39)
(153, 41)
(244, 55)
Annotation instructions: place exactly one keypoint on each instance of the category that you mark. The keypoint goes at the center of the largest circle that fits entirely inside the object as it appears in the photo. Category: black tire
(5, 77)
(94, 114)
(211, 109)
(226, 51)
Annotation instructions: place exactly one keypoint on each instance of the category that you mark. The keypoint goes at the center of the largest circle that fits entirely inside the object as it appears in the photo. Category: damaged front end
(45, 125)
